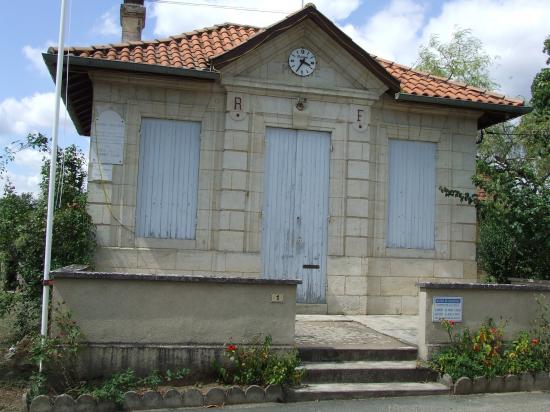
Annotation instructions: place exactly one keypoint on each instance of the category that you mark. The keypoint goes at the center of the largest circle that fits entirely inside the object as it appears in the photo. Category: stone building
(285, 152)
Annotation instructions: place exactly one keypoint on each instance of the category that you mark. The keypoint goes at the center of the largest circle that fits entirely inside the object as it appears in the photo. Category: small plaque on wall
(447, 308)
(108, 147)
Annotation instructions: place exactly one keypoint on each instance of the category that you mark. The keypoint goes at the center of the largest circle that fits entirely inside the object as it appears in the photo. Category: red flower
(452, 322)
(535, 341)
(231, 348)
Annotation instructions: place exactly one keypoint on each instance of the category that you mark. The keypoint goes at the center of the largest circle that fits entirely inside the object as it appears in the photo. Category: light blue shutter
(411, 195)
(168, 178)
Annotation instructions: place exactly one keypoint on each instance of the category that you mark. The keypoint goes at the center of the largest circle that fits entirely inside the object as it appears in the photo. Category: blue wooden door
(295, 215)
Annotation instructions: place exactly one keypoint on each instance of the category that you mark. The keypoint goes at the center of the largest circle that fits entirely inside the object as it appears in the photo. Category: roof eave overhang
(330, 28)
(492, 113)
(80, 93)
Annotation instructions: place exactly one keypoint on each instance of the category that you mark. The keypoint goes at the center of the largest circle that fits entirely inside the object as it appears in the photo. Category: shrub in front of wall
(257, 364)
(485, 353)
(471, 354)
(525, 355)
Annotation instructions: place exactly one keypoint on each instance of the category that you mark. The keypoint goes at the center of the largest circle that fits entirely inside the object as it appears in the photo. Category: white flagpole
(53, 167)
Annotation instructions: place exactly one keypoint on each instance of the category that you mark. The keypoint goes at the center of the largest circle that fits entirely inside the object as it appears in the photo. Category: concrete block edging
(525, 382)
(216, 396)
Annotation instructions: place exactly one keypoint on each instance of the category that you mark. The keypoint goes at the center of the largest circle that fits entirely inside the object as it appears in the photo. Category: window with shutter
(411, 194)
(168, 177)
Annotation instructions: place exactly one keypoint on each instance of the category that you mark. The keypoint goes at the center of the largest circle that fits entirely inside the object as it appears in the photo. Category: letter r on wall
(238, 104)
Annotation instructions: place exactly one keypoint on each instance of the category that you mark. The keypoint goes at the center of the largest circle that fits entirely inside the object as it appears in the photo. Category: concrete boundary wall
(515, 304)
(143, 309)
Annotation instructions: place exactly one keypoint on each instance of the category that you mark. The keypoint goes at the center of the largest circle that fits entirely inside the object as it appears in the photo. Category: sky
(511, 30)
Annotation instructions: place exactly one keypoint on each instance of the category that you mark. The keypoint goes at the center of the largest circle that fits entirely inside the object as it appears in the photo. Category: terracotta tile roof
(195, 49)
(190, 50)
(423, 84)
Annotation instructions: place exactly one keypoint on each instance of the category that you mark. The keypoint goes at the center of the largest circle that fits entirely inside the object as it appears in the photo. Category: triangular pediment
(336, 69)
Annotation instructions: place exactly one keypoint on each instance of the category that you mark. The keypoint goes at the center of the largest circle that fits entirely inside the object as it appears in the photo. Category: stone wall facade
(363, 275)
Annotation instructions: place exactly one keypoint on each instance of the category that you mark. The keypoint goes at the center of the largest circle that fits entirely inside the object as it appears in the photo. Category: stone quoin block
(336, 285)
(214, 396)
(358, 170)
(235, 395)
(255, 394)
(463, 386)
(356, 285)
(463, 250)
(352, 305)
(193, 397)
(356, 246)
(384, 305)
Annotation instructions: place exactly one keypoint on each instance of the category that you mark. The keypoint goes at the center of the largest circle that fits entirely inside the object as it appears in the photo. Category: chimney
(132, 20)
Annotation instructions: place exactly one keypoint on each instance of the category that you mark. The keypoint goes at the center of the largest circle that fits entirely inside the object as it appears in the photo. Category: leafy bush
(472, 354)
(114, 388)
(58, 356)
(513, 171)
(23, 227)
(484, 352)
(495, 249)
(526, 354)
(257, 364)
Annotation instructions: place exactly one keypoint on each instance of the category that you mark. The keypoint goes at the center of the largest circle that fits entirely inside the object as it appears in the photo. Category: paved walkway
(373, 331)
(501, 402)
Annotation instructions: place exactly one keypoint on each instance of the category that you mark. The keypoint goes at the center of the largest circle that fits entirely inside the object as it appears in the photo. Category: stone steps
(366, 371)
(344, 354)
(357, 372)
(328, 391)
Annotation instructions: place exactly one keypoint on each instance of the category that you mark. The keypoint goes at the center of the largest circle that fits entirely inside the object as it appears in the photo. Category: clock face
(302, 62)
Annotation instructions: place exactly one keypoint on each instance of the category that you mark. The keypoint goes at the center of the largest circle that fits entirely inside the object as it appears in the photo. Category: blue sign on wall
(447, 308)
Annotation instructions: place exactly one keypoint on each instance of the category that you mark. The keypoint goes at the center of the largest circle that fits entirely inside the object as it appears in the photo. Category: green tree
(461, 59)
(23, 228)
(513, 172)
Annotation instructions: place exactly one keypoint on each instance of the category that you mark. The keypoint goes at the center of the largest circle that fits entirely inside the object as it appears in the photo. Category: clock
(302, 62)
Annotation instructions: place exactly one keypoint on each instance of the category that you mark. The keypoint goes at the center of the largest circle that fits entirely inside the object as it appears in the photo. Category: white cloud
(28, 158)
(108, 24)
(24, 172)
(512, 29)
(34, 56)
(29, 114)
(393, 32)
(27, 182)
(173, 19)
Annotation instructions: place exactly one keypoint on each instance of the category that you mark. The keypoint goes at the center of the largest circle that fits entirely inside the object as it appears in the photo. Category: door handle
(311, 267)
